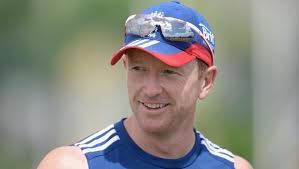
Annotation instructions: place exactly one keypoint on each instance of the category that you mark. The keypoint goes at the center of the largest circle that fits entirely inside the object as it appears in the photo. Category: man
(168, 59)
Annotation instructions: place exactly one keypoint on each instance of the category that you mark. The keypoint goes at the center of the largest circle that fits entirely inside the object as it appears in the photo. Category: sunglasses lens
(141, 26)
(176, 30)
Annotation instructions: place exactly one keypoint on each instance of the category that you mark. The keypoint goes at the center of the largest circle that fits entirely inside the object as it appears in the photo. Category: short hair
(202, 65)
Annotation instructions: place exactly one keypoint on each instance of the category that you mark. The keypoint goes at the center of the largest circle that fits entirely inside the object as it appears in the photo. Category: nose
(152, 86)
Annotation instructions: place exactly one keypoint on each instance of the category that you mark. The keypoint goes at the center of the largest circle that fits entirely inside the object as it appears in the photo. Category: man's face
(162, 98)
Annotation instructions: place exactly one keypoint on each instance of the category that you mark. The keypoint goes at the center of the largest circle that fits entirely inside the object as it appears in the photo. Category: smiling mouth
(154, 106)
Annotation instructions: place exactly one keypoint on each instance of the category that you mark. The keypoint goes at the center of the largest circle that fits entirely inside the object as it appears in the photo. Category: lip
(153, 111)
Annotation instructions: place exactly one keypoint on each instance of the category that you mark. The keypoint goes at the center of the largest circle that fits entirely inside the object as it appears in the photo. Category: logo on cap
(158, 14)
(207, 33)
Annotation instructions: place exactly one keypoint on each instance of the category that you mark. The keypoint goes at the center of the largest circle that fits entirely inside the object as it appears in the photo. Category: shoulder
(241, 163)
(216, 152)
(224, 155)
(67, 157)
(99, 143)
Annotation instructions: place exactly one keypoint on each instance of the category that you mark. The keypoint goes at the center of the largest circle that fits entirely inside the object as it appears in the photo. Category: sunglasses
(172, 29)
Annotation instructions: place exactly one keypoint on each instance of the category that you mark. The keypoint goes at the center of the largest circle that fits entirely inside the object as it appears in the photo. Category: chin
(152, 122)
(153, 125)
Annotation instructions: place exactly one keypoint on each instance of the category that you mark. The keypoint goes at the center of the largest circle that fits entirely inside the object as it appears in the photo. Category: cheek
(190, 87)
(133, 84)
(131, 88)
(189, 93)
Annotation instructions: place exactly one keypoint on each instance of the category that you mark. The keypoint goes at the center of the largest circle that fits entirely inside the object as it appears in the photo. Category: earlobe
(208, 79)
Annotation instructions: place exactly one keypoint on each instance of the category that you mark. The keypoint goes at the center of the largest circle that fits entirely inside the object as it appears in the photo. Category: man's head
(169, 65)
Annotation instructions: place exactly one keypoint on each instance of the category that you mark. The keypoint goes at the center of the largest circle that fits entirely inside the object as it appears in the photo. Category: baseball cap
(173, 53)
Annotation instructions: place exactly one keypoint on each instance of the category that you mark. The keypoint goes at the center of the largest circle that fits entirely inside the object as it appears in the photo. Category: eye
(138, 68)
(168, 71)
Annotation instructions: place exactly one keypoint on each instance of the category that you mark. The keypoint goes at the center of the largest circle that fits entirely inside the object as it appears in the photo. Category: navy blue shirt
(112, 148)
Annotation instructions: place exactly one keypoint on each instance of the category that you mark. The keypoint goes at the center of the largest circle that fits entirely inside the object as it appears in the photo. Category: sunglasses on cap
(172, 29)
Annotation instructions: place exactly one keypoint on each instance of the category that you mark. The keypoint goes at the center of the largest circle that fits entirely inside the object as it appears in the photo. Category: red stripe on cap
(175, 60)
(201, 53)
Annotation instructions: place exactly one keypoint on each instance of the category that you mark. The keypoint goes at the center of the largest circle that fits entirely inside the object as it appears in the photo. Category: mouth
(154, 106)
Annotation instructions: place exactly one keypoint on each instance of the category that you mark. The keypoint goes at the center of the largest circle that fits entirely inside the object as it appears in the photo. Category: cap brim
(168, 54)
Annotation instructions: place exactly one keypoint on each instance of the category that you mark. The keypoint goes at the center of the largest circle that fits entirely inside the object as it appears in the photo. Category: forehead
(138, 56)
(135, 55)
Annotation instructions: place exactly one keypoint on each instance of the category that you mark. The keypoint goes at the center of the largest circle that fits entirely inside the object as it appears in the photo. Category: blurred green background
(57, 86)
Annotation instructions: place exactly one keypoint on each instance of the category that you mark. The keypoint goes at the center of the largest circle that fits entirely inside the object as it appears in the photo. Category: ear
(208, 79)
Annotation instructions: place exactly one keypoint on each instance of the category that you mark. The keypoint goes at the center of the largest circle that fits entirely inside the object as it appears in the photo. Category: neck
(172, 145)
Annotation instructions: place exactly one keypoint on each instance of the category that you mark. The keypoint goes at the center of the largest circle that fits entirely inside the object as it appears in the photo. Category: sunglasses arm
(203, 37)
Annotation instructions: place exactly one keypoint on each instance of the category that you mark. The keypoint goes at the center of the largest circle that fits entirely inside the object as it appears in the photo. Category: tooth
(155, 105)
